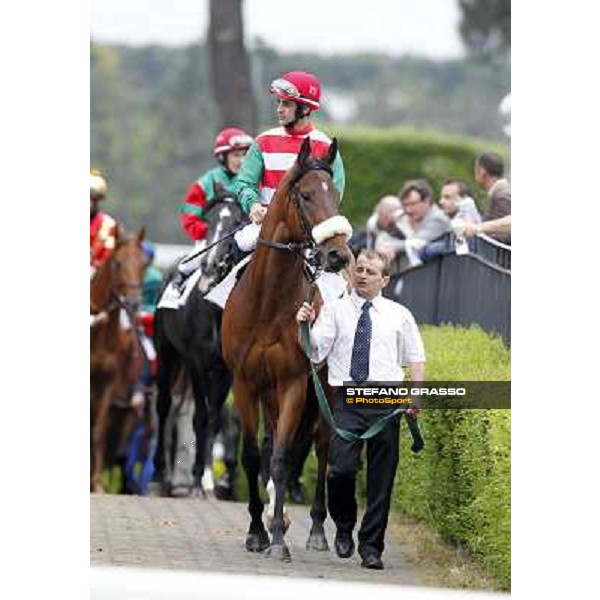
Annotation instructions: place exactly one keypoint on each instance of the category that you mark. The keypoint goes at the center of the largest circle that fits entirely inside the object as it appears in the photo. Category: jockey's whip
(222, 239)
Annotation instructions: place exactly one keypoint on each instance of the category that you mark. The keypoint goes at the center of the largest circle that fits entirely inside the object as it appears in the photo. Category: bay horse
(115, 287)
(260, 333)
(190, 338)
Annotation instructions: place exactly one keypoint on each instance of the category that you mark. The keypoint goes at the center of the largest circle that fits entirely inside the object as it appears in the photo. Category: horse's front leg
(99, 431)
(291, 402)
(248, 407)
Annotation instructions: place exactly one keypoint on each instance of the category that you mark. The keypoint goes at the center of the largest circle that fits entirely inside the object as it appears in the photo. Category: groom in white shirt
(364, 337)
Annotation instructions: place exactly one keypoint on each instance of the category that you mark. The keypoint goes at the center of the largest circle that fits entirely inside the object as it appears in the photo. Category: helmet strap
(301, 112)
(222, 158)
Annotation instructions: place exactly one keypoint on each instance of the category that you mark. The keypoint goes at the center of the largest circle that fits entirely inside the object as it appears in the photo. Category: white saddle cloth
(170, 297)
(219, 294)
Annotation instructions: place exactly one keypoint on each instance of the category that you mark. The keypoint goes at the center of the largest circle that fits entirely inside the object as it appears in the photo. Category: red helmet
(232, 139)
(299, 86)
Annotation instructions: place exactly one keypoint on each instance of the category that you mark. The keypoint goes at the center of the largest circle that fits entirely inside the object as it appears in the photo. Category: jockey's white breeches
(247, 238)
(187, 267)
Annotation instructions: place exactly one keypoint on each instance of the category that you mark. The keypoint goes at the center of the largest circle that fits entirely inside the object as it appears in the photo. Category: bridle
(306, 249)
(119, 299)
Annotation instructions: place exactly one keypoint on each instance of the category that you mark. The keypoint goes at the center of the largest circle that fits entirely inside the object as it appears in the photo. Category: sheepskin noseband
(330, 227)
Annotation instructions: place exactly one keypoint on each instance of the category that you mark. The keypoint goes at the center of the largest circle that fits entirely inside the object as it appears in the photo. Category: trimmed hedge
(378, 162)
(460, 483)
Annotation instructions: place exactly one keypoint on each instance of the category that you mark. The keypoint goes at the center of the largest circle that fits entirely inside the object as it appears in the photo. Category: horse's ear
(219, 188)
(141, 234)
(333, 150)
(304, 152)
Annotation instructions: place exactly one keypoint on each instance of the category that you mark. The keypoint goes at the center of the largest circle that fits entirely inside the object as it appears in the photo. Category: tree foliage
(485, 26)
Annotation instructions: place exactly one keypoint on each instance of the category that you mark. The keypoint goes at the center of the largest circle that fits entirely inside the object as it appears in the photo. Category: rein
(221, 239)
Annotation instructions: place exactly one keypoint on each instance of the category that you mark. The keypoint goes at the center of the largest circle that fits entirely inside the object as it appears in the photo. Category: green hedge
(460, 484)
(378, 162)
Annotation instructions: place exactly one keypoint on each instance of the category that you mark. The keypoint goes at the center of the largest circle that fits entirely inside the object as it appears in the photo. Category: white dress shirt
(395, 338)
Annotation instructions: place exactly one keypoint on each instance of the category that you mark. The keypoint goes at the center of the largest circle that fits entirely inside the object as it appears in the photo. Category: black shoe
(372, 561)
(344, 544)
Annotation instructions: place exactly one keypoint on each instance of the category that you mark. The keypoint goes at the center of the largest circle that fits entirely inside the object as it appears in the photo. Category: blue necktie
(359, 366)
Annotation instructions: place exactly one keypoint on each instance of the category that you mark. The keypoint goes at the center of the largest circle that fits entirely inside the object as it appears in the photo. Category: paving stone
(209, 535)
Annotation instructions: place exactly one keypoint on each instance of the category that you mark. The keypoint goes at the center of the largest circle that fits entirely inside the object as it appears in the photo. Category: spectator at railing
(458, 205)
(383, 219)
(489, 174)
(456, 200)
(495, 228)
(419, 222)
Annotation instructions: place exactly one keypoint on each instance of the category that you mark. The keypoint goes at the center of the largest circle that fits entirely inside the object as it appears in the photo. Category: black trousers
(382, 461)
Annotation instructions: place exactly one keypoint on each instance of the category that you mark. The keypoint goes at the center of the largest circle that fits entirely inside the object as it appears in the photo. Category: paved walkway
(209, 535)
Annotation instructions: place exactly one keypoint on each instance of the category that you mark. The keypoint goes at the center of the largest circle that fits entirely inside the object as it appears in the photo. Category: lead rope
(349, 436)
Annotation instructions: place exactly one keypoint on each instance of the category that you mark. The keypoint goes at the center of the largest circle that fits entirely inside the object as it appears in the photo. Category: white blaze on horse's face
(324, 186)
(212, 255)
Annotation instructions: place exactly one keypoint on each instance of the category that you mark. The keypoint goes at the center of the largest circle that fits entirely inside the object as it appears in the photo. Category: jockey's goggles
(283, 86)
(237, 141)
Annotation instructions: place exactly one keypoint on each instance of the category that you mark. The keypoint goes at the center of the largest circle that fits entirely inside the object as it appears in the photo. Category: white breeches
(187, 267)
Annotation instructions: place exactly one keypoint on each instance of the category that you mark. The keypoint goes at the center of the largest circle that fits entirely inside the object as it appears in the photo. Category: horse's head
(127, 269)
(312, 214)
(222, 216)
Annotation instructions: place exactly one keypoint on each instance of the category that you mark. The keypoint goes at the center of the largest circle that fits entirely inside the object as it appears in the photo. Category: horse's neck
(100, 287)
(277, 274)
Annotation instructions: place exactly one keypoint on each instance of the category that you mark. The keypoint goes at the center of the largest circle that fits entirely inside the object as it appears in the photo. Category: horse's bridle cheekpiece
(316, 235)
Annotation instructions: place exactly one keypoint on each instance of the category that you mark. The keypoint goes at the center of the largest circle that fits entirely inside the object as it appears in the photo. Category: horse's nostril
(336, 260)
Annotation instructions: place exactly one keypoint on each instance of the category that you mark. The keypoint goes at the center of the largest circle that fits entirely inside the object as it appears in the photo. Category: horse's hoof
(317, 541)
(181, 491)
(226, 494)
(206, 494)
(279, 552)
(257, 542)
